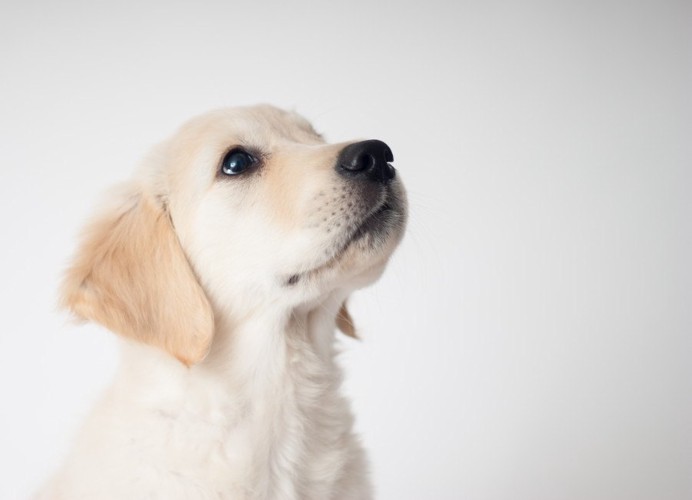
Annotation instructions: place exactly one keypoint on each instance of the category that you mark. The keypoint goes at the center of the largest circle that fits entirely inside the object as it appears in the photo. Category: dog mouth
(376, 226)
(370, 225)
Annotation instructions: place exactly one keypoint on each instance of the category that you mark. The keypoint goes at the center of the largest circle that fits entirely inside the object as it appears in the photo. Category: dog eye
(236, 162)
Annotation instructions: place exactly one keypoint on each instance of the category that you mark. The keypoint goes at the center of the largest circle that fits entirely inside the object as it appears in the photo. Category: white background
(531, 339)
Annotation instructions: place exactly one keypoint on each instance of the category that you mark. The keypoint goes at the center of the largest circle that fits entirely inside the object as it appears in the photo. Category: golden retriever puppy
(224, 267)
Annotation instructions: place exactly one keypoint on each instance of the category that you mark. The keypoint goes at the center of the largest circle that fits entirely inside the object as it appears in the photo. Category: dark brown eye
(237, 161)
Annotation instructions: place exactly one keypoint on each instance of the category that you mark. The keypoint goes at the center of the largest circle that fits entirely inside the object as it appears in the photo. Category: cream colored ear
(131, 275)
(345, 323)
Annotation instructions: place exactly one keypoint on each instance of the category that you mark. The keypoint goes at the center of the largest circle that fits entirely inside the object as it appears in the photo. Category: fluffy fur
(226, 292)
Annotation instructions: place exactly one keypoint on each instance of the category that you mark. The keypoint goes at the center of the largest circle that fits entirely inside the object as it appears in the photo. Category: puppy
(224, 267)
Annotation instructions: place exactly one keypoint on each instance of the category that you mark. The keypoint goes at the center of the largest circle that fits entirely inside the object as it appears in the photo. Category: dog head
(242, 208)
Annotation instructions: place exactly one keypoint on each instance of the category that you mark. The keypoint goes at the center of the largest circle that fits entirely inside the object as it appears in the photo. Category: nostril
(389, 172)
(360, 163)
(368, 161)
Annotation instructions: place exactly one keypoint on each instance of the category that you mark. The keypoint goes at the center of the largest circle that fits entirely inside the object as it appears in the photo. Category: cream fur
(226, 293)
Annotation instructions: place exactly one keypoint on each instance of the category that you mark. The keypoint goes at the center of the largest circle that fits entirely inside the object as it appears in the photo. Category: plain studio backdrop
(531, 339)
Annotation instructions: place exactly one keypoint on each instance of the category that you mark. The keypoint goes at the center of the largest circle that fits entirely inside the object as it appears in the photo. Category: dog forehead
(261, 126)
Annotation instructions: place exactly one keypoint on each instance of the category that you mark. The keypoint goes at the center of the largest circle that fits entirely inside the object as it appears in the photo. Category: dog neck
(258, 344)
(268, 391)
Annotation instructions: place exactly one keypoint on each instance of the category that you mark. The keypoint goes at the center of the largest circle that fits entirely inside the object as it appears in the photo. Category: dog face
(256, 208)
(266, 209)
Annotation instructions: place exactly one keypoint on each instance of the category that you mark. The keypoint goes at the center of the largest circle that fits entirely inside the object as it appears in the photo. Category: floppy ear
(131, 275)
(345, 323)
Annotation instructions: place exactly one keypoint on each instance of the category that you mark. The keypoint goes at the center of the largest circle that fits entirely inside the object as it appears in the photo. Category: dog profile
(224, 266)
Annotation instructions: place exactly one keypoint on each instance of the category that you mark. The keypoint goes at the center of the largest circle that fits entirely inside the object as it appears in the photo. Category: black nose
(368, 159)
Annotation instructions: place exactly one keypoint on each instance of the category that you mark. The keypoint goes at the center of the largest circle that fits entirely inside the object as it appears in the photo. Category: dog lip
(370, 223)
